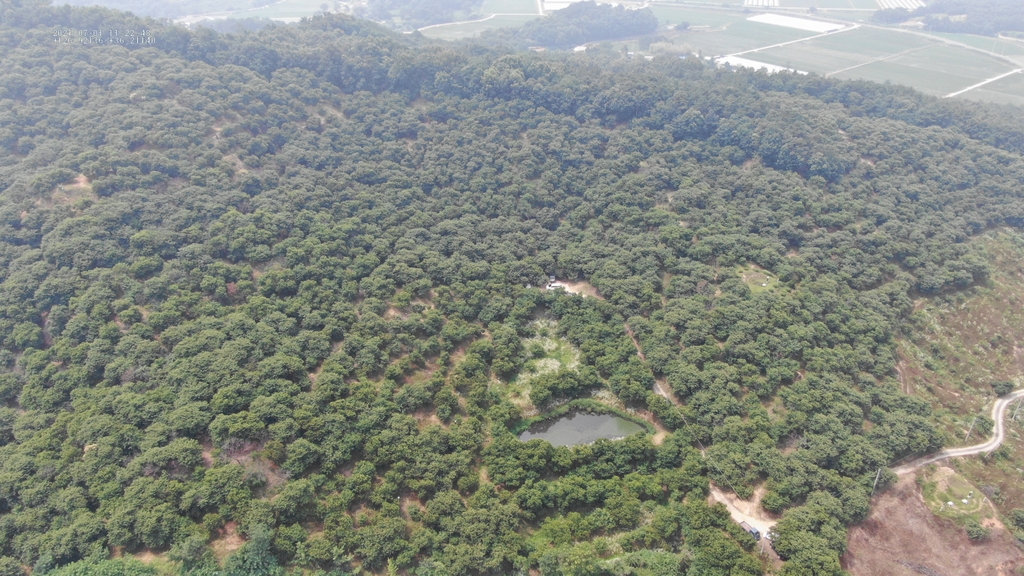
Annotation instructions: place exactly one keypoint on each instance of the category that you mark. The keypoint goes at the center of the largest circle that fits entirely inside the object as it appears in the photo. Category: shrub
(1002, 388)
(975, 531)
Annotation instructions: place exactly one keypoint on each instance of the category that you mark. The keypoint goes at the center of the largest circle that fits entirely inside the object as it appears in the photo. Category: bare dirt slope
(902, 537)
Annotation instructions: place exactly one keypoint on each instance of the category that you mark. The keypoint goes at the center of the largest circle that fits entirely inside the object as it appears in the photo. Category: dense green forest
(268, 287)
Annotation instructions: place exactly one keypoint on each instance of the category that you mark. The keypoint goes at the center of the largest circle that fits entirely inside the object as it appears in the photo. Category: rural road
(998, 415)
(748, 511)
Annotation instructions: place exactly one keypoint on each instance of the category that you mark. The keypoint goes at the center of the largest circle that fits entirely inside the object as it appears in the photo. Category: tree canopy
(269, 288)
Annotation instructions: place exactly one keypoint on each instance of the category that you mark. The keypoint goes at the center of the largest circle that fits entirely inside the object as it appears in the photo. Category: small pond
(577, 427)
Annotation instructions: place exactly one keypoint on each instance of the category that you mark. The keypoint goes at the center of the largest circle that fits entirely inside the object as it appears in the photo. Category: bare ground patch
(70, 192)
(228, 541)
(902, 536)
(749, 511)
(427, 418)
(207, 453)
(147, 556)
(581, 288)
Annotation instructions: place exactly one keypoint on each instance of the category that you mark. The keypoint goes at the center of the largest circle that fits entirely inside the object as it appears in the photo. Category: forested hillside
(260, 296)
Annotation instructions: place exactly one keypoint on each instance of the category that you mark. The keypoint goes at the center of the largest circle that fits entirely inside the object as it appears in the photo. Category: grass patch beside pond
(547, 352)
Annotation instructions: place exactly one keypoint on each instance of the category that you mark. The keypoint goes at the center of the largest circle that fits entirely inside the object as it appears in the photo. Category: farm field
(931, 66)
(1009, 90)
(291, 10)
(856, 15)
(740, 36)
(938, 70)
(1008, 48)
(285, 9)
(692, 2)
(830, 54)
(925, 62)
(673, 15)
(835, 4)
(814, 56)
(871, 42)
(460, 30)
(509, 7)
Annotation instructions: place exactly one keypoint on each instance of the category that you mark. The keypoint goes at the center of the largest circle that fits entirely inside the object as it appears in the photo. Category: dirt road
(748, 511)
(998, 435)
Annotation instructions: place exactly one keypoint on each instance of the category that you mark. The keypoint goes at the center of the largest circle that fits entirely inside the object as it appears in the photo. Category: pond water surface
(578, 427)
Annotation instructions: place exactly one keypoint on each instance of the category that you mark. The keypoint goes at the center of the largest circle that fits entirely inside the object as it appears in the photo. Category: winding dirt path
(639, 350)
(904, 385)
(998, 435)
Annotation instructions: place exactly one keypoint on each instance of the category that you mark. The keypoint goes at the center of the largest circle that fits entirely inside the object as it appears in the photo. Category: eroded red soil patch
(902, 537)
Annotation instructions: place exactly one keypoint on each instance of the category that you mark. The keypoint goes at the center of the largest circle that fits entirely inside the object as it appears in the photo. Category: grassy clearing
(757, 279)
(963, 342)
(71, 193)
(158, 562)
(460, 30)
(548, 353)
(950, 495)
